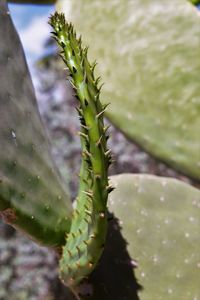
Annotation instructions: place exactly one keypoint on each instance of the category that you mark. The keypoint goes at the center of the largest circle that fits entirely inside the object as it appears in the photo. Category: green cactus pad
(148, 57)
(32, 197)
(160, 220)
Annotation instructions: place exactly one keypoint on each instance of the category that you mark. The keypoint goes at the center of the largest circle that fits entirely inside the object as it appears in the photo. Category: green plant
(89, 223)
(156, 44)
(32, 196)
(162, 232)
(30, 189)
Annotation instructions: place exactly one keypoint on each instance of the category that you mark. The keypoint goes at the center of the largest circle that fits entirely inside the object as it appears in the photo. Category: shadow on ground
(113, 279)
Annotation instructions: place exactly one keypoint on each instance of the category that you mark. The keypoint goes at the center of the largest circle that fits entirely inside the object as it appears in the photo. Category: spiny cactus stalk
(85, 241)
(32, 196)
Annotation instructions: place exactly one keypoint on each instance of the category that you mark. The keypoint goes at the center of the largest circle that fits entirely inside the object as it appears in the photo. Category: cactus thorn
(90, 264)
(100, 114)
(89, 194)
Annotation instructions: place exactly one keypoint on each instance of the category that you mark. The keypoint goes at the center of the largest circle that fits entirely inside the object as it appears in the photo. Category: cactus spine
(85, 241)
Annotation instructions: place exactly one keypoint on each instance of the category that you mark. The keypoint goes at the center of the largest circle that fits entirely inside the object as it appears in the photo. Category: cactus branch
(89, 224)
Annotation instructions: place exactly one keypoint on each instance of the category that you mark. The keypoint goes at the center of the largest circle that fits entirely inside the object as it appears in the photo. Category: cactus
(155, 254)
(156, 46)
(31, 189)
(162, 231)
(152, 247)
(84, 243)
(32, 196)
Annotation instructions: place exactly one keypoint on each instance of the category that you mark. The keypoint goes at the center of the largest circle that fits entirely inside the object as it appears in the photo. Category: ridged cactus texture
(160, 220)
(148, 56)
(32, 197)
(86, 239)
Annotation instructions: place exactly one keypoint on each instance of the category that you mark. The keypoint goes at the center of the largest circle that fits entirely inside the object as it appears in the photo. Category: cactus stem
(92, 193)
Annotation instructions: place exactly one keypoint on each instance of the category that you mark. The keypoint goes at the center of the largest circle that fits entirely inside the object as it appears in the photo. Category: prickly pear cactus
(86, 239)
(32, 196)
(148, 56)
(160, 220)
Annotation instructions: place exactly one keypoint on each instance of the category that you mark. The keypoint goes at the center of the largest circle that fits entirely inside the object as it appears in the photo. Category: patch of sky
(31, 22)
(23, 14)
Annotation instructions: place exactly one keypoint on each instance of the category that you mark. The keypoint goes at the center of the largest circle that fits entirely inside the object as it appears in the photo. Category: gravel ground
(28, 271)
